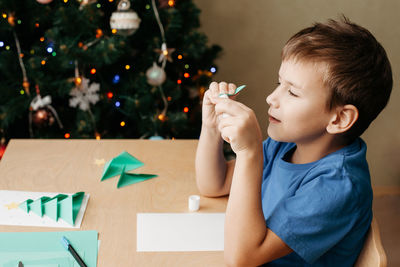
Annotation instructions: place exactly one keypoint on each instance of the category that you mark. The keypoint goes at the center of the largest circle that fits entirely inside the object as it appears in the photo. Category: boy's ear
(343, 119)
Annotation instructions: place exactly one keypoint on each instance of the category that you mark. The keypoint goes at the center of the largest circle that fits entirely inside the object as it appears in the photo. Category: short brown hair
(358, 71)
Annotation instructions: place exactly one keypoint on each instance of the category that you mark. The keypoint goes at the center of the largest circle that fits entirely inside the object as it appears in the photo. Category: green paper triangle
(115, 166)
(51, 208)
(70, 206)
(133, 178)
(25, 206)
(37, 205)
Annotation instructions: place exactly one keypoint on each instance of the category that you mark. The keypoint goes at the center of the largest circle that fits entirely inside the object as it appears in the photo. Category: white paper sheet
(17, 216)
(180, 231)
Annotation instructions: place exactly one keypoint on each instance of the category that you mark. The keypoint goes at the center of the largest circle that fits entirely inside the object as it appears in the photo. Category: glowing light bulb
(67, 135)
(186, 75)
(49, 50)
(122, 124)
(186, 109)
(179, 81)
(1, 43)
(43, 62)
(93, 71)
(117, 104)
(110, 95)
(180, 56)
(127, 67)
(213, 69)
(116, 79)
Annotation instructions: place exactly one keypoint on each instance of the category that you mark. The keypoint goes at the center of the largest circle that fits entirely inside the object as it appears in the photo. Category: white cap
(194, 202)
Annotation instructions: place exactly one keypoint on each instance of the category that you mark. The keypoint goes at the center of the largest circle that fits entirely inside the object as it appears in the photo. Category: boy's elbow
(235, 259)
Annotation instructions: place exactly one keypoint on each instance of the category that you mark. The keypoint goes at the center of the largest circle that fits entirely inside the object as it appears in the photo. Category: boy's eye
(291, 93)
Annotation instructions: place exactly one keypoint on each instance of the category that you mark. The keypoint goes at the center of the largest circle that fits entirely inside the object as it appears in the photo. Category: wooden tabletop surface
(69, 166)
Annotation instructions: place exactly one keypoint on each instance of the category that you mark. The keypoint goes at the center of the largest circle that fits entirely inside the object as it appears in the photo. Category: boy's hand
(209, 117)
(240, 128)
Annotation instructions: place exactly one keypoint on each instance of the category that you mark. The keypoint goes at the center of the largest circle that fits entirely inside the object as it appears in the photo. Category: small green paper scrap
(61, 206)
(120, 165)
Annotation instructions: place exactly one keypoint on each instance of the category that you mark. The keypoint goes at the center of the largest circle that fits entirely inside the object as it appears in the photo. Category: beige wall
(252, 34)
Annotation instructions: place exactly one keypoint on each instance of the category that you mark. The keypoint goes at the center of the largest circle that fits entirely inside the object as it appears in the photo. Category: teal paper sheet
(44, 249)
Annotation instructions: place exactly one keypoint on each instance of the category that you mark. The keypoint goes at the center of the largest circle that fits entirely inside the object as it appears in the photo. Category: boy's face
(298, 107)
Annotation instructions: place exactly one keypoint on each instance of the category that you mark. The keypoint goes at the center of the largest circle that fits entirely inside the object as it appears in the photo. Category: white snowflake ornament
(84, 94)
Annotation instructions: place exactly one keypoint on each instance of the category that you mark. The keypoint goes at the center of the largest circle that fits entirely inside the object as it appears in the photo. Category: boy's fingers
(223, 88)
(232, 88)
(229, 106)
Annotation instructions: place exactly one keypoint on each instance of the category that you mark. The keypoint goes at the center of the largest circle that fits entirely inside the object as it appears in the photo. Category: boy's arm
(213, 173)
(248, 241)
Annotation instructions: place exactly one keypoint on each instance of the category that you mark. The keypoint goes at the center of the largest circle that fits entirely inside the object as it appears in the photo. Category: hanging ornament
(155, 75)
(84, 94)
(42, 117)
(124, 20)
(165, 53)
(43, 2)
(41, 113)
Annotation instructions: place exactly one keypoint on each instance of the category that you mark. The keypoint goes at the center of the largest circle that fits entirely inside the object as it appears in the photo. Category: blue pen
(68, 247)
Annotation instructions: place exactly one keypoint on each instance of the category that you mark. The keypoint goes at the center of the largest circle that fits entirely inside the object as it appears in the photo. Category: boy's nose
(271, 99)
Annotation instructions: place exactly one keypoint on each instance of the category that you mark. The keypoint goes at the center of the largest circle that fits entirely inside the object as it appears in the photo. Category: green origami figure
(122, 163)
(61, 206)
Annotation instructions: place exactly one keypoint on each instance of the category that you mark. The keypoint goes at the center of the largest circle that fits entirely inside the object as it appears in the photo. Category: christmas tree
(102, 69)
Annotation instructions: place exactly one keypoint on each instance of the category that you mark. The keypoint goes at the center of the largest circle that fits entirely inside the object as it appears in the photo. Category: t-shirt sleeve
(317, 216)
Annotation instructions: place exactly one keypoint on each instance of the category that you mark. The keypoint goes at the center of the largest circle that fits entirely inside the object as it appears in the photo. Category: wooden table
(70, 166)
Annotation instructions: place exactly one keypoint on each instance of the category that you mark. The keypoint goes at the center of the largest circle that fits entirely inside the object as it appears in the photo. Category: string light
(116, 79)
(186, 66)
(114, 31)
(186, 75)
(22, 92)
(179, 81)
(93, 71)
(98, 136)
(213, 69)
(161, 117)
(67, 135)
(169, 98)
(98, 5)
(117, 104)
(127, 67)
(110, 95)
(32, 51)
(37, 25)
(65, 1)
(186, 109)
(7, 47)
(110, 1)
(41, 39)
(171, 3)
(122, 124)
(4, 15)
(21, 55)
(49, 50)
(19, 21)
(43, 62)
(1, 43)
(54, 54)
(99, 33)
(147, 7)
(180, 56)
(78, 81)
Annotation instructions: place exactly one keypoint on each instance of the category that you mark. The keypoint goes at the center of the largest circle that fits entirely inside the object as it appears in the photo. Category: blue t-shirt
(323, 209)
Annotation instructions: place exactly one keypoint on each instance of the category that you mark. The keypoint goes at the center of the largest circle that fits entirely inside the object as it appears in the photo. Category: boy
(302, 197)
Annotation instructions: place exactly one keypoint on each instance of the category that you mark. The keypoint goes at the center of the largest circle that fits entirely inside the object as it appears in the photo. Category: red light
(93, 71)
(179, 81)
(67, 135)
(110, 95)
(186, 109)
(186, 75)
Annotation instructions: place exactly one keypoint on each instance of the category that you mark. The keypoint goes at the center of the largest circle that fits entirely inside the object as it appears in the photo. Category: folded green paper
(61, 206)
(120, 165)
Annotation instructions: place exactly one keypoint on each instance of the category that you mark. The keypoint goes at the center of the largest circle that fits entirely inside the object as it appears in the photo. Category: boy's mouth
(272, 119)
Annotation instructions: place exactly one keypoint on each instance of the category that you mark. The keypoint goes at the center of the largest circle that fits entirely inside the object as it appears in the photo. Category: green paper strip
(115, 166)
(240, 88)
(37, 205)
